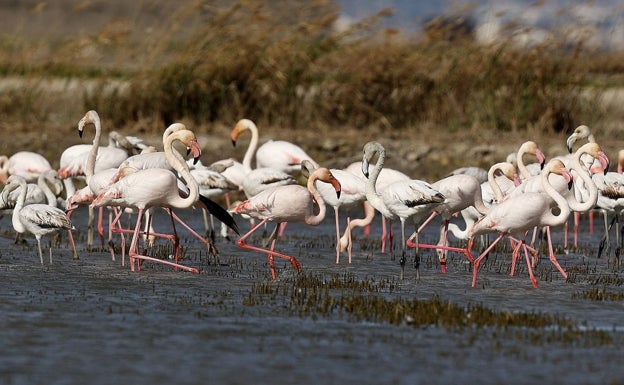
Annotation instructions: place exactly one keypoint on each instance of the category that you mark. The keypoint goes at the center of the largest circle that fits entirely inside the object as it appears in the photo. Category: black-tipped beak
(233, 143)
(195, 160)
(80, 133)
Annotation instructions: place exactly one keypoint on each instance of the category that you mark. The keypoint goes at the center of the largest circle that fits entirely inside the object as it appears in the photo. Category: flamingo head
(580, 132)
(241, 126)
(324, 175)
(90, 117)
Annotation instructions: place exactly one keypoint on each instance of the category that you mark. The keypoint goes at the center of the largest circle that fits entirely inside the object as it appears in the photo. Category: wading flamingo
(155, 187)
(401, 200)
(292, 203)
(277, 154)
(386, 177)
(515, 216)
(36, 219)
(352, 193)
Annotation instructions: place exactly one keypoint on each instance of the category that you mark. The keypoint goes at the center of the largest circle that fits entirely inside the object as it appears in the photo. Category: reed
(287, 65)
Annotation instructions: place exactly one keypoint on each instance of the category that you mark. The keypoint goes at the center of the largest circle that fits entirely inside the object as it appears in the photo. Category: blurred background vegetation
(286, 64)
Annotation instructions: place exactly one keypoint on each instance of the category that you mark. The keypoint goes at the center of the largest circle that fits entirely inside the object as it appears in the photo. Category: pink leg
(337, 235)
(100, 225)
(530, 268)
(552, 256)
(477, 261)
(270, 253)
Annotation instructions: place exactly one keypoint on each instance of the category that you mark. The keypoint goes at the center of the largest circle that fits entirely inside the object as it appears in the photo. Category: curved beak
(196, 150)
(540, 158)
(604, 161)
(365, 167)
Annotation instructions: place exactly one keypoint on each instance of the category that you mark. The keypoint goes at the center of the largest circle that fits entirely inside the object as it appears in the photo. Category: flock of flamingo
(510, 199)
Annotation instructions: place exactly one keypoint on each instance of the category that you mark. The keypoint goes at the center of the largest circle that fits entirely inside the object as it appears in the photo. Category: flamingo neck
(575, 204)
(496, 189)
(251, 149)
(550, 219)
(43, 185)
(90, 170)
(522, 169)
(370, 189)
(19, 204)
(315, 219)
(178, 164)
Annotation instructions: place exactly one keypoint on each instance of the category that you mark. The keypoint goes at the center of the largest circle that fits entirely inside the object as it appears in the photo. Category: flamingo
(386, 177)
(401, 200)
(461, 191)
(291, 203)
(353, 193)
(515, 216)
(37, 219)
(155, 187)
(277, 154)
(73, 162)
(23, 163)
(263, 177)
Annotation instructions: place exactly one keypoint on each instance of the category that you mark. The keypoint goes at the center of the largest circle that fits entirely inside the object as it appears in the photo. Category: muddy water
(93, 321)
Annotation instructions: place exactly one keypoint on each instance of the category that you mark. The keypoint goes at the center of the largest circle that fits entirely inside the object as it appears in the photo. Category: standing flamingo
(263, 176)
(37, 219)
(23, 163)
(292, 203)
(277, 154)
(401, 200)
(386, 177)
(515, 216)
(353, 193)
(155, 187)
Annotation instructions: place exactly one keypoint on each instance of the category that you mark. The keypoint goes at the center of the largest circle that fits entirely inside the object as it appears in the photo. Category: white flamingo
(36, 219)
(401, 200)
(26, 164)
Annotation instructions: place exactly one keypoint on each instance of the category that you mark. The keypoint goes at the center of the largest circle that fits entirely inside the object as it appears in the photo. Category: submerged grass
(368, 300)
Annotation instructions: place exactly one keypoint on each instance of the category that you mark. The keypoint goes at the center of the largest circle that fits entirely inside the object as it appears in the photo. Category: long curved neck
(550, 219)
(177, 162)
(251, 149)
(94, 150)
(370, 189)
(369, 215)
(522, 169)
(43, 185)
(19, 203)
(496, 189)
(575, 204)
(311, 218)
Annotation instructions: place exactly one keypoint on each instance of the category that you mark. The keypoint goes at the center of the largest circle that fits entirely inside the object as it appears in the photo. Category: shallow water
(94, 321)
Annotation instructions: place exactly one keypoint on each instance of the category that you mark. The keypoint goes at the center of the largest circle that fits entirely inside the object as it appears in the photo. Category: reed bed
(287, 65)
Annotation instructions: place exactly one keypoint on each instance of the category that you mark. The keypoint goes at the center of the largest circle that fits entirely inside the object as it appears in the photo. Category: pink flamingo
(155, 187)
(26, 164)
(515, 216)
(353, 193)
(291, 203)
